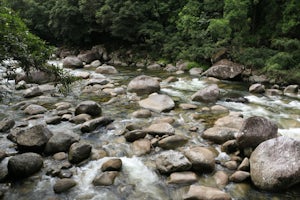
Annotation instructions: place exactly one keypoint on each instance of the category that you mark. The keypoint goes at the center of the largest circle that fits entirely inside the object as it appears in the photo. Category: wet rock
(275, 164)
(6, 124)
(35, 76)
(33, 139)
(63, 185)
(131, 136)
(53, 120)
(60, 156)
(256, 130)
(225, 69)
(97, 81)
(207, 193)
(141, 147)
(81, 118)
(239, 176)
(160, 129)
(95, 63)
(63, 105)
(245, 165)
(257, 88)
(208, 94)
(143, 113)
(157, 103)
(232, 165)
(143, 85)
(79, 151)
(34, 109)
(66, 117)
(171, 79)
(219, 135)
(186, 106)
(172, 142)
(88, 107)
(230, 146)
(105, 178)
(32, 92)
(221, 179)
(196, 71)
(60, 142)
(88, 56)
(291, 89)
(172, 161)
(72, 62)
(182, 178)
(93, 124)
(202, 159)
(106, 69)
(273, 92)
(230, 121)
(24, 165)
(113, 164)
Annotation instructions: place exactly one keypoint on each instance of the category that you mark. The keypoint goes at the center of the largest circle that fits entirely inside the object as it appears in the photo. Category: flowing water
(138, 178)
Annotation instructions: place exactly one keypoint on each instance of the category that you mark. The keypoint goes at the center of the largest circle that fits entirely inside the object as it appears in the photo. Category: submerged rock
(275, 164)
(143, 85)
(24, 165)
(172, 161)
(256, 130)
(207, 193)
(157, 103)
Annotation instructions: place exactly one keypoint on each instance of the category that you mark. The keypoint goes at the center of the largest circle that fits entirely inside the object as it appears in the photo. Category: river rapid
(139, 178)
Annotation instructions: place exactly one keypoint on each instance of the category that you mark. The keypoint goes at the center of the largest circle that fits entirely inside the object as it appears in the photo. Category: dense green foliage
(259, 33)
(18, 44)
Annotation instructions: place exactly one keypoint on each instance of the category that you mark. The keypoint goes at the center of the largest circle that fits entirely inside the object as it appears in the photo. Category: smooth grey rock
(172, 161)
(291, 89)
(34, 109)
(79, 151)
(225, 69)
(208, 94)
(157, 103)
(6, 124)
(113, 164)
(275, 164)
(207, 193)
(160, 129)
(106, 69)
(256, 130)
(72, 62)
(63, 185)
(88, 107)
(60, 142)
(143, 85)
(196, 71)
(91, 125)
(32, 92)
(219, 135)
(24, 165)
(202, 159)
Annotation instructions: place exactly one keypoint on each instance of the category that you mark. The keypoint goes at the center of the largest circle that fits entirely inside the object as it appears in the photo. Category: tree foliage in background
(258, 33)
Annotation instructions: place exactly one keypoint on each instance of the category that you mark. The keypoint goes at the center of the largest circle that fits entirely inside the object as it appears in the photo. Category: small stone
(182, 178)
(114, 164)
(239, 176)
(63, 185)
(232, 165)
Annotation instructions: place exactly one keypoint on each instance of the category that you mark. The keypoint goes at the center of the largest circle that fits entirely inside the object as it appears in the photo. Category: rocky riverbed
(148, 131)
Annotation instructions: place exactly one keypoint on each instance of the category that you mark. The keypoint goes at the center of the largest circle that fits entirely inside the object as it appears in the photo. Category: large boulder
(33, 139)
(59, 142)
(143, 85)
(225, 69)
(256, 130)
(172, 161)
(79, 151)
(275, 164)
(157, 103)
(202, 159)
(208, 94)
(88, 107)
(72, 62)
(24, 165)
(207, 193)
